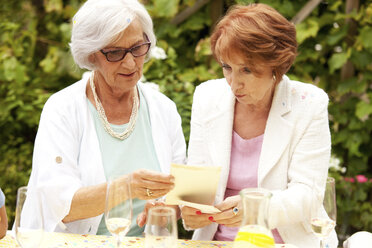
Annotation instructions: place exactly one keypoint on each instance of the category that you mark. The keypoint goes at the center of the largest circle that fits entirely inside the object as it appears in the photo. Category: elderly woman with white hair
(107, 124)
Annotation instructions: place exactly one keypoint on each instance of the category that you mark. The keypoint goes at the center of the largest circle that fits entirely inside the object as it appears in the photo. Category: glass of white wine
(161, 228)
(118, 207)
(29, 231)
(324, 211)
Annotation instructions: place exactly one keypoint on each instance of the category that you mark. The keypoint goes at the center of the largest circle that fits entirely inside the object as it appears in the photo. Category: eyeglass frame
(128, 50)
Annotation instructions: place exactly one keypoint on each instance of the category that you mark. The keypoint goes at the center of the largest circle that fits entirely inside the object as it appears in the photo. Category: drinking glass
(161, 228)
(324, 211)
(118, 207)
(29, 231)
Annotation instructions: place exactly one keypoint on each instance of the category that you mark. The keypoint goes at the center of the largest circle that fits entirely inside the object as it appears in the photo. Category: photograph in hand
(191, 187)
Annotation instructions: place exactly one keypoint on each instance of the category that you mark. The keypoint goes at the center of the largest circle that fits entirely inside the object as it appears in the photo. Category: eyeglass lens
(119, 54)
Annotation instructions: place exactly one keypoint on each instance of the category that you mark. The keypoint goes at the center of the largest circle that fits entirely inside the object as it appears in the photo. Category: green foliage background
(35, 62)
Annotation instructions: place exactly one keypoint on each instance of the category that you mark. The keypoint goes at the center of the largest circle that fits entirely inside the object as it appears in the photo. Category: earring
(274, 78)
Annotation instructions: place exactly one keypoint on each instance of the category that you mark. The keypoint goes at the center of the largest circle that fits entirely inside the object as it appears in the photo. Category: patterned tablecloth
(63, 240)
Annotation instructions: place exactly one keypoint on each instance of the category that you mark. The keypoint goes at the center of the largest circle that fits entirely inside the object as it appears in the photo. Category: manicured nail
(211, 219)
(198, 212)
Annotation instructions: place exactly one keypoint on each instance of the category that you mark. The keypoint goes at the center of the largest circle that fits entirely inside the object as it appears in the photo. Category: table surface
(66, 240)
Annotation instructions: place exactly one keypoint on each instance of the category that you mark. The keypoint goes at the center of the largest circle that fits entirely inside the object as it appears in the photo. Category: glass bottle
(254, 231)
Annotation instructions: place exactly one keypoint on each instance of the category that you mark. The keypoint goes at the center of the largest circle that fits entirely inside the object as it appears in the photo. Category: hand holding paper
(195, 186)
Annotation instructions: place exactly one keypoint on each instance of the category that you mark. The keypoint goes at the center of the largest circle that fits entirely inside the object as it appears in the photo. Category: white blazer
(295, 151)
(67, 154)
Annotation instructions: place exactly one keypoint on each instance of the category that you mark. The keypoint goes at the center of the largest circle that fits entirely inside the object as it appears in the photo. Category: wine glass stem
(118, 241)
(322, 243)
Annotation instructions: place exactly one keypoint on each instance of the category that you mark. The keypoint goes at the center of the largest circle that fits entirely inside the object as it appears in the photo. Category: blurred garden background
(335, 53)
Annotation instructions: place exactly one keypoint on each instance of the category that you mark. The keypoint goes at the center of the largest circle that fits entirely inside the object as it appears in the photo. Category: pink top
(245, 155)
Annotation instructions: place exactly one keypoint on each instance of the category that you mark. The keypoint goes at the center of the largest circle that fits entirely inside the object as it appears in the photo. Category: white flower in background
(338, 49)
(153, 85)
(334, 162)
(318, 47)
(158, 53)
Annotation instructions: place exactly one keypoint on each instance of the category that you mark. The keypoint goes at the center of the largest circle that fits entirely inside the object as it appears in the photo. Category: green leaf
(165, 8)
(334, 37)
(306, 30)
(361, 58)
(65, 30)
(196, 22)
(366, 36)
(49, 63)
(53, 5)
(188, 76)
(202, 49)
(337, 61)
(244, 2)
(10, 68)
(363, 110)
(326, 19)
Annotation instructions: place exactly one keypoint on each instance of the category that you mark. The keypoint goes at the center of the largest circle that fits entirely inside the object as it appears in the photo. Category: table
(67, 240)
(64, 240)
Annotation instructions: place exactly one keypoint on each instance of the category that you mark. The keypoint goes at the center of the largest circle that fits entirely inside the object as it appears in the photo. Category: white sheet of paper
(195, 186)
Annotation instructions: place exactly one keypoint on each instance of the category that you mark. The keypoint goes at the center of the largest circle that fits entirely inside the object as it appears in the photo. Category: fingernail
(211, 219)
(198, 212)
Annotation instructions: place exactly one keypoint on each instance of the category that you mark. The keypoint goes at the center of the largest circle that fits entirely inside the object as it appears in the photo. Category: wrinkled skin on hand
(157, 183)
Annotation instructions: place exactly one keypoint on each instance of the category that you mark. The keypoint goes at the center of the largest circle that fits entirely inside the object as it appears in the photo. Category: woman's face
(122, 75)
(248, 88)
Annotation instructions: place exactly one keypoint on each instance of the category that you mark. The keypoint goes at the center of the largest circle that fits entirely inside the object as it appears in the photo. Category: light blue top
(126, 156)
(2, 198)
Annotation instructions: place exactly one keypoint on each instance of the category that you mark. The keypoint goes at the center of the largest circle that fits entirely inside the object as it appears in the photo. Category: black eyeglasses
(119, 54)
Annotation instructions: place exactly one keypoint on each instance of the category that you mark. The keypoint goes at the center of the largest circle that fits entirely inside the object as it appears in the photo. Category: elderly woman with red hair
(263, 128)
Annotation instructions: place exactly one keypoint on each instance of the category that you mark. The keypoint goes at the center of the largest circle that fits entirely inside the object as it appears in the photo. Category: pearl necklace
(102, 114)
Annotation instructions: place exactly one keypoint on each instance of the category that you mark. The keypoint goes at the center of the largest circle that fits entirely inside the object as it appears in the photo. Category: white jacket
(67, 154)
(295, 151)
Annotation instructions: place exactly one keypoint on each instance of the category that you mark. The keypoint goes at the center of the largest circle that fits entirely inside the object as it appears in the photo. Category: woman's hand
(142, 217)
(146, 184)
(227, 217)
(194, 218)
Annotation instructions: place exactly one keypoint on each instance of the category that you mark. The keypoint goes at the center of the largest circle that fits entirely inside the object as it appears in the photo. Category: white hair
(100, 22)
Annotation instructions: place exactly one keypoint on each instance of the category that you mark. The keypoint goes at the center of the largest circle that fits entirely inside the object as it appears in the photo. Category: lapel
(278, 130)
(218, 133)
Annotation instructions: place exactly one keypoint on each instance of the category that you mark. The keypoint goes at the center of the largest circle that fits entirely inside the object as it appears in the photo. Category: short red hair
(259, 32)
